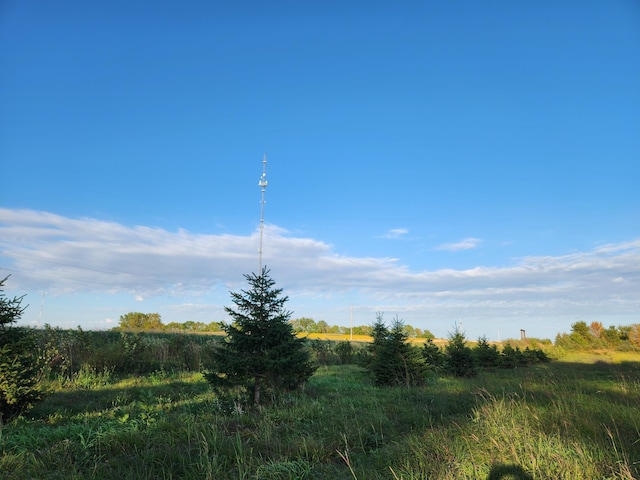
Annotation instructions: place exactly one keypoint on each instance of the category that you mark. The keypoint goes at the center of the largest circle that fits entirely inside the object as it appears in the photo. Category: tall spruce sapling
(394, 361)
(486, 354)
(459, 359)
(260, 351)
(433, 355)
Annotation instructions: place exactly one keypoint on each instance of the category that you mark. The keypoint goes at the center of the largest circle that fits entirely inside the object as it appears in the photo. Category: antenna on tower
(44, 292)
(263, 186)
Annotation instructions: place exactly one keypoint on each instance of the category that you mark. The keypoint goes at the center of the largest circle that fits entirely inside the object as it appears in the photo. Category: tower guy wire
(263, 187)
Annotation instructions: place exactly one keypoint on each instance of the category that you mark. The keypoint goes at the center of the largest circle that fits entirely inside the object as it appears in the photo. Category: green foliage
(535, 355)
(611, 336)
(433, 355)
(581, 334)
(393, 360)
(261, 350)
(304, 324)
(345, 351)
(359, 330)
(379, 331)
(141, 321)
(322, 352)
(19, 367)
(19, 374)
(460, 361)
(595, 336)
(634, 335)
(486, 354)
(425, 334)
(328, 352)
(11, 309)
(512, 357)
(623, 332)
(66, 352)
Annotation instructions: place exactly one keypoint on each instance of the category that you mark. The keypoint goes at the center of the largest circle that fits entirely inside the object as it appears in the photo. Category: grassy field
(342, 337)
(572, 419)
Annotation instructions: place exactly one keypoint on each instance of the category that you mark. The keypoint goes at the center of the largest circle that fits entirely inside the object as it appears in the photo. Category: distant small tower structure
(523, 334)
(263, 187)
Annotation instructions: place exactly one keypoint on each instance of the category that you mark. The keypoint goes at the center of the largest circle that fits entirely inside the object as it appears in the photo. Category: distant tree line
(308, 325)
(137, 321)
(595, 336)
(152, 322)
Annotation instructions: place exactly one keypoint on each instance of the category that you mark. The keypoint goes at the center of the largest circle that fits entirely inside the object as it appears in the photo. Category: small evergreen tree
(511, 357)
(395, 361)
(459, 357)
(19, 369)
(261, 350)
(486, 355)
(534, 355)
(379, 331)
(433, 355)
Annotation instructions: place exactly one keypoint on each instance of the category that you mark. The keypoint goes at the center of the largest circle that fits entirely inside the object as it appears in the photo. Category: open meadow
(569, 419)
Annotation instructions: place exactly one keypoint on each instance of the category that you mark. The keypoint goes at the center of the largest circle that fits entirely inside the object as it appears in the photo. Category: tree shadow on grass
(508, 472)
(77, 400)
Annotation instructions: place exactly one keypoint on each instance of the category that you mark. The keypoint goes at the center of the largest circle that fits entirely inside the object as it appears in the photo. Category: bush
(345, 351)
(322, 353)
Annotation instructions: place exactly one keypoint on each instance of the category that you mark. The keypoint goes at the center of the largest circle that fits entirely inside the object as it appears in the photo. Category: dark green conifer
(394, 361)
(261, 351)
(460, 361)
(19, 368)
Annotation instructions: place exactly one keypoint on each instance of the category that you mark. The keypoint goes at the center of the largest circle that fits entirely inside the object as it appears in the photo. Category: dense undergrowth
(558, 420)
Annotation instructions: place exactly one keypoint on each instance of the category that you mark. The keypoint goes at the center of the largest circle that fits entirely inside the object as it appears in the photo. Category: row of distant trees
(595, 335)
(393, 360)
(309, 325)
(582, 335)
(137, 321)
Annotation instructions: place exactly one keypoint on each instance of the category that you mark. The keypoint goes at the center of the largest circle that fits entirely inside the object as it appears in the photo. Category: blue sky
(445, 162)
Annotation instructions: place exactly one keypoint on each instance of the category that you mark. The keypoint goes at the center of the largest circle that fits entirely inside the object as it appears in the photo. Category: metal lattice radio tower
(263, 187)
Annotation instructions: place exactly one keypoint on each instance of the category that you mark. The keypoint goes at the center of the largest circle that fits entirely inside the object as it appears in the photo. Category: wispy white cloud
(466, 244)
(396, 233)
(44, 251)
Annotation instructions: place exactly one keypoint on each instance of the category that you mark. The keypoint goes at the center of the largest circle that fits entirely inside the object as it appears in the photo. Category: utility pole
(263, 186)
(351, 324)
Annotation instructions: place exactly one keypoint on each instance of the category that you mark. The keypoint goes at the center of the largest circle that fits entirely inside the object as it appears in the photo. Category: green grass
(564, 420)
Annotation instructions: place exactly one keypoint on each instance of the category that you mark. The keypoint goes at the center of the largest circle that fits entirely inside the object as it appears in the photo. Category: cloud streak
(396, 233)
(44, 251)
(466, 244)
